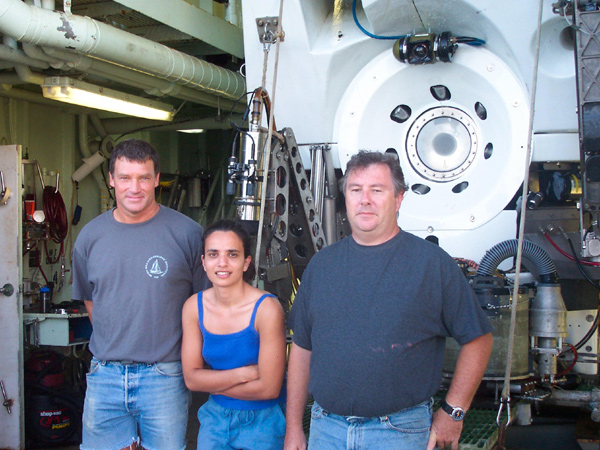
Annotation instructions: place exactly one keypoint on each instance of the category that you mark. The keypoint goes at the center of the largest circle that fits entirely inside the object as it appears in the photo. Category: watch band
(456, 412)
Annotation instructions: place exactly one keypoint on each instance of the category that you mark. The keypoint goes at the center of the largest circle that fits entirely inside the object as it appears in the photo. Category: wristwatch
(456, 412)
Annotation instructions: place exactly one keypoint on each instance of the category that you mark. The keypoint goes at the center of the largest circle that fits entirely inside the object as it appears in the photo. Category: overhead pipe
(85, 151)
(97, 123)
(25, 74)
(18, 57)
(23, 71)
(86, 36)
(135, 79)
(34, 52)
(130, 124)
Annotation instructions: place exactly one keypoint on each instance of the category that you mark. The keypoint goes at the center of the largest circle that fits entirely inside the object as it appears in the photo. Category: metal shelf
(61, 330)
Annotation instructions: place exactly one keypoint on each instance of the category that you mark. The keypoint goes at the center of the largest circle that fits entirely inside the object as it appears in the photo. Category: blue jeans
(405, 430)
(239, 429)
(135, 402)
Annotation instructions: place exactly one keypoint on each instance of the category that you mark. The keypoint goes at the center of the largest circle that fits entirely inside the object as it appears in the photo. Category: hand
(445, 431)
(294, 439)
(249, 373)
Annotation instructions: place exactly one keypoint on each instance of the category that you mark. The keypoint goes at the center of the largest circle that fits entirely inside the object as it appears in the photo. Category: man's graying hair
(134, 150)
(364, 159)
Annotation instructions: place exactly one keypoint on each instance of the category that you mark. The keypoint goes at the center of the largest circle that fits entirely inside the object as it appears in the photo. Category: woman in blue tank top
(234, 348)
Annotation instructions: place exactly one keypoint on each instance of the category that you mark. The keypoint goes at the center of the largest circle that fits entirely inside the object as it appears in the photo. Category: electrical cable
(245, 116)
(459, 40)
(374, 36)
(49, 260)
(585, 275)
(30, 248)
(473, 41)
(468, 262)
(238, 128)
(566, 255)
(39, 264)
(568, 369)
(108, 187)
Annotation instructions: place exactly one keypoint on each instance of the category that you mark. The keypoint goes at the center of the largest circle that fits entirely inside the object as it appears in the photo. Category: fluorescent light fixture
(193, 130)
(77, 92)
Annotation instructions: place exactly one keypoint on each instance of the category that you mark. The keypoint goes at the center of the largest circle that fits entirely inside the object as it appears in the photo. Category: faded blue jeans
(404, 430)
(135, 402)
(228, 429)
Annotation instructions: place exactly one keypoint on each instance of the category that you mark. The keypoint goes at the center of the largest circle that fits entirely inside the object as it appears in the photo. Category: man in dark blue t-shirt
(370, 322)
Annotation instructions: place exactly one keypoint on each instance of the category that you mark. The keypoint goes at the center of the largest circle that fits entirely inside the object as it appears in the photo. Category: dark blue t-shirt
(376, 319)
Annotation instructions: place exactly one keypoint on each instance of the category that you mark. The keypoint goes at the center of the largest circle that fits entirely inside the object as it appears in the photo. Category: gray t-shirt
(138, 277)
(376, 319)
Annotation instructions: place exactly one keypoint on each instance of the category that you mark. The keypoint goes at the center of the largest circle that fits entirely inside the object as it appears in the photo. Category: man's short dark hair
(134, 150)
(364, 159)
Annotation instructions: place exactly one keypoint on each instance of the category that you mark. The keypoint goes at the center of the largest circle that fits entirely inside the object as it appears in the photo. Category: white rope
(267, 147)
(515, 292)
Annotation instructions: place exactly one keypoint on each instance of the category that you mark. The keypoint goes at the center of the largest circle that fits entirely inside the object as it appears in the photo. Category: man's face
(371, 204)
(134, 185)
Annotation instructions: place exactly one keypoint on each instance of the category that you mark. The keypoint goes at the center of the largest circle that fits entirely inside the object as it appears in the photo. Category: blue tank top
(229, 351)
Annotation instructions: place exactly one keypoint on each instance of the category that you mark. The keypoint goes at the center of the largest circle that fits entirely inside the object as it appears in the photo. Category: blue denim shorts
(223, 428)
(135, 402)
(404, 430)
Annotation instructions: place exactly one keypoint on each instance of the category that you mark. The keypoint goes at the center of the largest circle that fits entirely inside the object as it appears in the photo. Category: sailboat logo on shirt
(157, 266)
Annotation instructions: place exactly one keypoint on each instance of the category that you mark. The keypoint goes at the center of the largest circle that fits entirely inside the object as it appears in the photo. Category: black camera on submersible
(425, 48)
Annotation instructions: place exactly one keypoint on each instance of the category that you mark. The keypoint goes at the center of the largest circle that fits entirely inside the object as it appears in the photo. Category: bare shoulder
(270, 306)
(190, 307)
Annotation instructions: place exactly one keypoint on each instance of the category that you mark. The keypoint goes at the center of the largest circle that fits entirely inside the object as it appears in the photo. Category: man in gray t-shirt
(370, 321)
(134, 267)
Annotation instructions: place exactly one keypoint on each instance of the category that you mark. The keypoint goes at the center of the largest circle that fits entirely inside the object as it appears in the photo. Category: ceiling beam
(96, 10)
(194, 21)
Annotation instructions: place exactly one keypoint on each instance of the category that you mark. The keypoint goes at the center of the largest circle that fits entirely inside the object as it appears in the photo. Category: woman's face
(223, 258)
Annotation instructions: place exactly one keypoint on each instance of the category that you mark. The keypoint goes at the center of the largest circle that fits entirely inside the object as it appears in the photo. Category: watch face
(458, 414)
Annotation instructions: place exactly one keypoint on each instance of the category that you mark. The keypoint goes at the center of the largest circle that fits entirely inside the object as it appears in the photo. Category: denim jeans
(255, 429)
(135, 402)
(404, 430)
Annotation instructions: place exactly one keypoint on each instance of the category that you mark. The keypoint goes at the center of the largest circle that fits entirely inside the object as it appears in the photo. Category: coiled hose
(531, 251)
(56, 214)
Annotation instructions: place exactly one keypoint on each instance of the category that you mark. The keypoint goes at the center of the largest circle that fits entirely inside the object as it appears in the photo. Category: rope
(515, 293)
(267, 148)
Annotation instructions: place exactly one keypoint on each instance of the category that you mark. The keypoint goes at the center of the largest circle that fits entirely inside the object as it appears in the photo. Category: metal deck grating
(480, 430)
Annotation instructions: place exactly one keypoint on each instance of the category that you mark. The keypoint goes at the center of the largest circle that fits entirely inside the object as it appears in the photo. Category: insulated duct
(33, 25)
(151, 84)
(507, 249)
